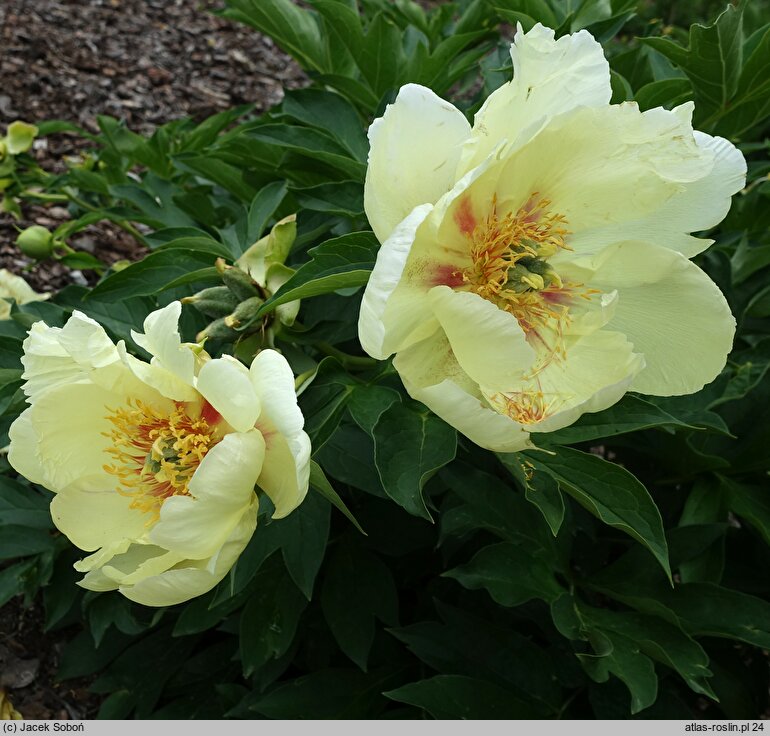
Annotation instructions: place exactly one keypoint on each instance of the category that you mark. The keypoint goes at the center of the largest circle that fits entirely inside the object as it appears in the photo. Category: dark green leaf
(270, 618)
(455, 696)
(357, 589)
(610, 493)
(152, 274)
(320, 483)
(512, 574)
(336, 264)
(712, 61)
(410, 445)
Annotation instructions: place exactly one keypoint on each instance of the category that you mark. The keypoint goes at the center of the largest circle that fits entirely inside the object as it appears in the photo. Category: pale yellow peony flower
(154, 465)
(535, 266)
(16, 288)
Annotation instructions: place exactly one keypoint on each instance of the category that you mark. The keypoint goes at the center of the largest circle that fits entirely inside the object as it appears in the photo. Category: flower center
(156, 453)
(510, 266)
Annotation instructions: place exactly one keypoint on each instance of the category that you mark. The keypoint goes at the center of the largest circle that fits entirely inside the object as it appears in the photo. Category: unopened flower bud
(35, 242)
(218, 330)
(244, 312)
(217, 301)
(239, 283)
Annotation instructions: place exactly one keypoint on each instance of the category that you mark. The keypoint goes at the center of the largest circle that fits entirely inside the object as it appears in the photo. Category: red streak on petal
(464, 216)
(555, 297)
(447, 276)
(210, 414)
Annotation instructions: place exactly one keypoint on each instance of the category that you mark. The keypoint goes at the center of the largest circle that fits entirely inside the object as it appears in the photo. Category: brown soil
(143, 61)
(28, 663)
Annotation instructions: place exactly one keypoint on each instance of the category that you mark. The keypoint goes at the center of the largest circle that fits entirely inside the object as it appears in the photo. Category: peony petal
(102, 556)
(161, 339)
(190, 578)
(672, 313)
(23, 450)
(408, 317)
(604, 167)
(273, 382)
(73, 433)
(16, 288)
(550, 77)
(429, 248)
(285, 474)
(225, 383)
(286, 470)
(488, 342)
(695, 206)
(596, 372)
(92, 519)
(222, 488)
(432, 375)
(165, 382)
(79, 351)
(415, 147)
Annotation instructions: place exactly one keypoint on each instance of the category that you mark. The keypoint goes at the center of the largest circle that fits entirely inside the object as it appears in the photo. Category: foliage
(621, 573)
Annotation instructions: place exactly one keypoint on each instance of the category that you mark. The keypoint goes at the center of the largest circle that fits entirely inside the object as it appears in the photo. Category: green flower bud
(244, 312)
(218, 330)
(20, 137)
(217, 301)
(239, 283)
(35, 242)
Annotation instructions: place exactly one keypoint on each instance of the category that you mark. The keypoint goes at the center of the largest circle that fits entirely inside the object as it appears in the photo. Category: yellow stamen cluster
(524, 407)
(155, 453)
(509, 266)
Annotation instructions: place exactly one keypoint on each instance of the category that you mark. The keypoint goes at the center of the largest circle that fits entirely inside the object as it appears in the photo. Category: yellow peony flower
(154, 464)
(16, 288)
(535, 266)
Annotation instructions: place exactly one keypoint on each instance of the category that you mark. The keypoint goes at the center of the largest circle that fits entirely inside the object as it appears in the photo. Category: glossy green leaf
(336, 264)
(151, 274)
(610, 493)
(410, 445)
(320, 483)
(512, 574)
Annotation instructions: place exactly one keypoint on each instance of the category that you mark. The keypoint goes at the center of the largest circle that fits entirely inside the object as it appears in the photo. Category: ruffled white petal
(602, 168)
(161, 339)
(550, 77)
(57, 356)
(191, 578)
(597, 371)
(285, 474)
(672, 312)
(406, 318)
(72, 427)
(165, 382)
(93, 518)
(414, 150)
(23, 451)
(13, 287)
(286, 471)
(273, 382)
(226, 385)
(694, 206)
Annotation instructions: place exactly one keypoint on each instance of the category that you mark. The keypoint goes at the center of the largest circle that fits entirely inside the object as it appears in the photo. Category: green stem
(69, 197)
(302, 377)
(347, 360)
